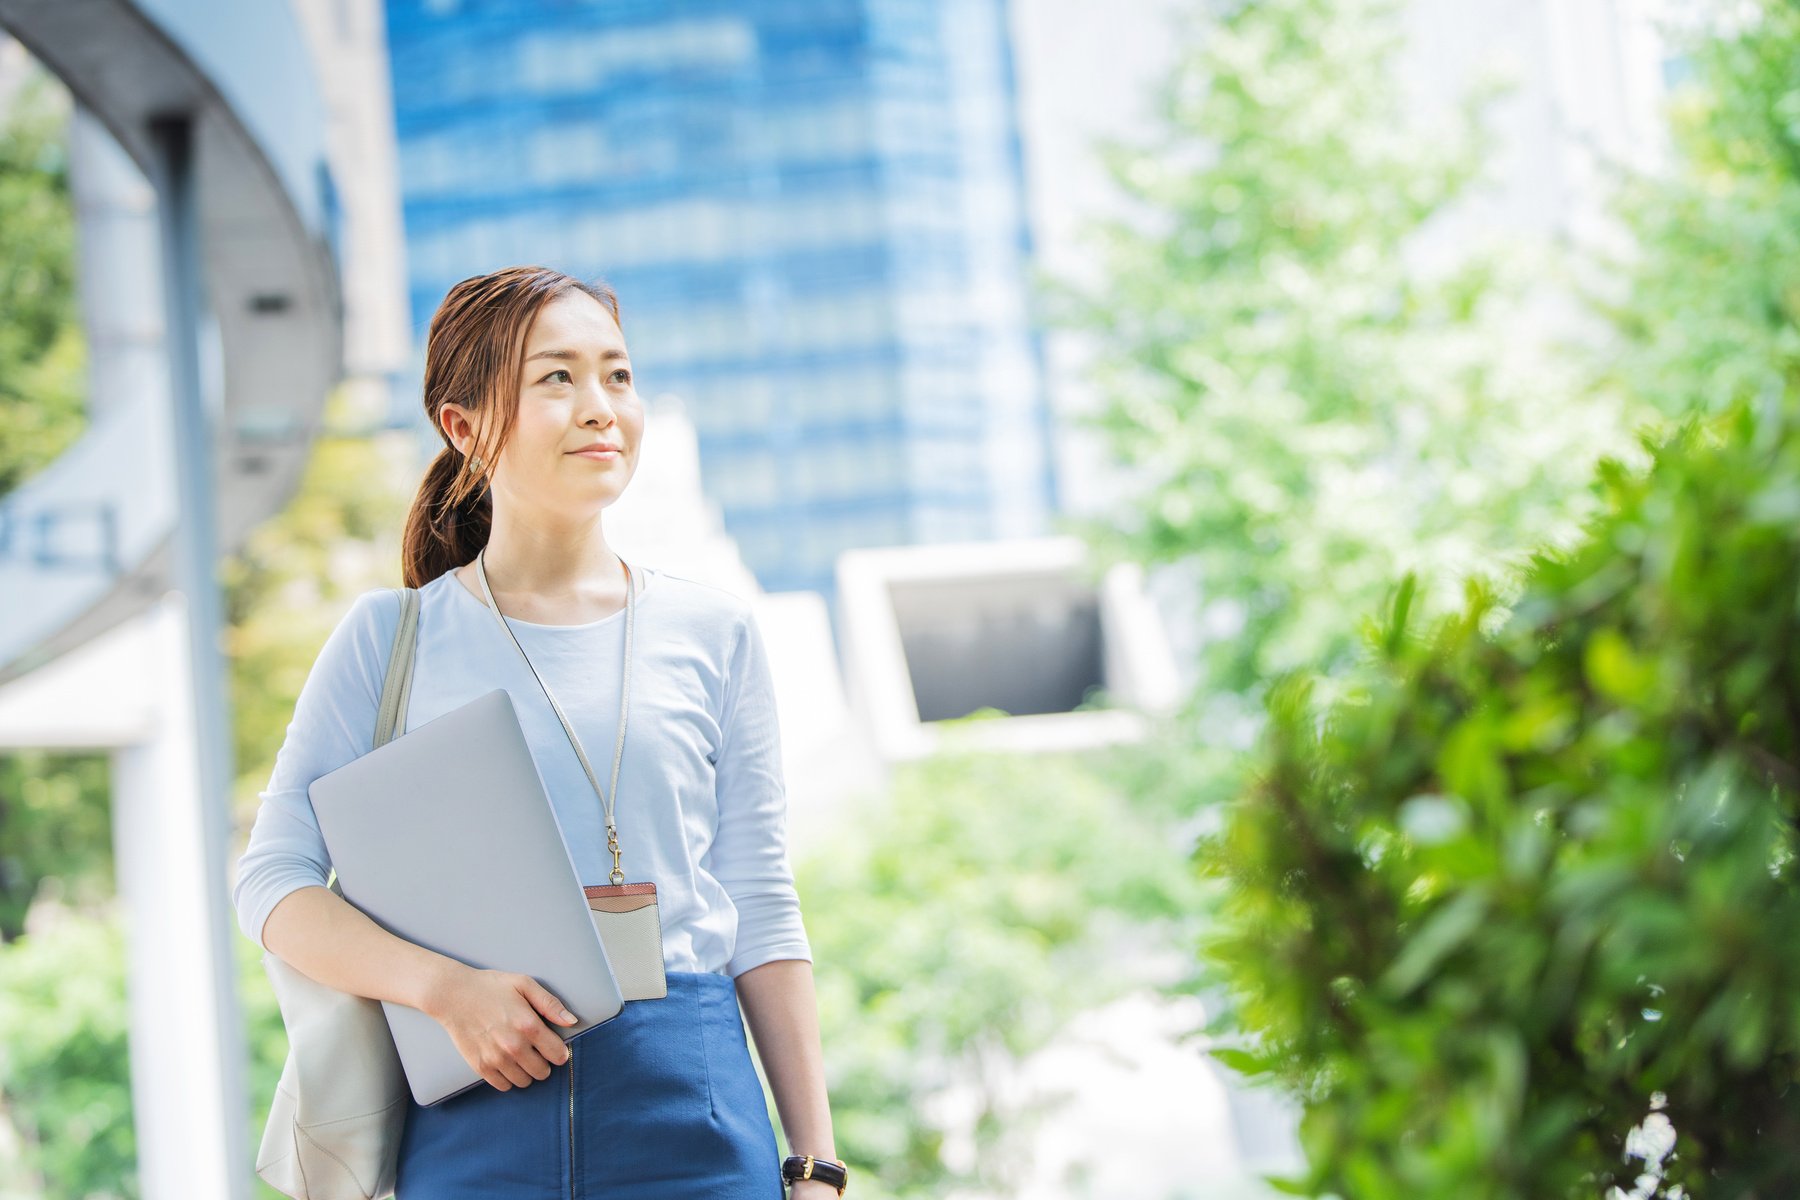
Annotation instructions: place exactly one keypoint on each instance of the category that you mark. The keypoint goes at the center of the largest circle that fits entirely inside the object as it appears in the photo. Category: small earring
(475, 463)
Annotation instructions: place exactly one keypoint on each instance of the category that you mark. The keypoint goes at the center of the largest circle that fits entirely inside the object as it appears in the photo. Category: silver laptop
(445, 836)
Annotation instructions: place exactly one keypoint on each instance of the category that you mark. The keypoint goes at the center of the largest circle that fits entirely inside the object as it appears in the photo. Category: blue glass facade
(813, 213)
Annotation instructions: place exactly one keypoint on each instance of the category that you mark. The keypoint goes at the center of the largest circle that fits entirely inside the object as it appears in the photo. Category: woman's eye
(622, 374)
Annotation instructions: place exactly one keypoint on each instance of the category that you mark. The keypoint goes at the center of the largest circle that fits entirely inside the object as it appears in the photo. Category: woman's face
(576, 390)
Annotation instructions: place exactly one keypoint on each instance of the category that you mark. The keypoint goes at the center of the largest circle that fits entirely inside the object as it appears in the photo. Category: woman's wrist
(436, 977)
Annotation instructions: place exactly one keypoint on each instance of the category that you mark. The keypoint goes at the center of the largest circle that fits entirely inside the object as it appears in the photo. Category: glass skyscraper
(813, 213)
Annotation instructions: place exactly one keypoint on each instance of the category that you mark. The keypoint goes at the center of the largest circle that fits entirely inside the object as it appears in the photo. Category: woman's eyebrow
(571, 356)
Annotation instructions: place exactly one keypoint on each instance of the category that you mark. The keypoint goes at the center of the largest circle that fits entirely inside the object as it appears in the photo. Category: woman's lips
(601, 455)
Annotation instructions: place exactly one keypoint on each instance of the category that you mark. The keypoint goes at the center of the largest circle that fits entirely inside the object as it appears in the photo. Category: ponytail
(444, 529)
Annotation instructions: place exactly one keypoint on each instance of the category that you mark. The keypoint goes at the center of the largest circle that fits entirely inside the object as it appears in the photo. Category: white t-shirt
(701, 807)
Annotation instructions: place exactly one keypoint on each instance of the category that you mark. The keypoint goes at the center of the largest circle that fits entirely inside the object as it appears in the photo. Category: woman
(528, 381)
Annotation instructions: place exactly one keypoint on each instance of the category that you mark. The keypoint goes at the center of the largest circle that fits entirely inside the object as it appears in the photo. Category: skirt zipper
(571, 1122)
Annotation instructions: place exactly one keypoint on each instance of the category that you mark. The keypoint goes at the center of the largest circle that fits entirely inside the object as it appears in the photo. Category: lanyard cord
(612, 834)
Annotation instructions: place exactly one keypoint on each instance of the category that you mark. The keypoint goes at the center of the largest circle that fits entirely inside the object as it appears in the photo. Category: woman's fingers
(513, 1072)
(519, 1048)
(545, 1003)
(547, 1048)
(535, 1062)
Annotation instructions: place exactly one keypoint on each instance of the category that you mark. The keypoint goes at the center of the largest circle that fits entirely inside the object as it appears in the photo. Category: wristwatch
(805, 1166)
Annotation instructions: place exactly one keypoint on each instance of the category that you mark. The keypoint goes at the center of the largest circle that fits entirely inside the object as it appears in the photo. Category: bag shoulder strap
(396, 688)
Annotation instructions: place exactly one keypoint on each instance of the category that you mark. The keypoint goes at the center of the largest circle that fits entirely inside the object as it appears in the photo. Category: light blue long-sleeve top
(701, 807)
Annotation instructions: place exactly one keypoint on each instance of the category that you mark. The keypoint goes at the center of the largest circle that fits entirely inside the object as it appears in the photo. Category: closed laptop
(445, 836)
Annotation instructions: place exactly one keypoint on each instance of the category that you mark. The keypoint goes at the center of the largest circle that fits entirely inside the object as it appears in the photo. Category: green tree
(1304, 405)
(55, 830)
(44, 798)
(1708, 302)
(43, 355)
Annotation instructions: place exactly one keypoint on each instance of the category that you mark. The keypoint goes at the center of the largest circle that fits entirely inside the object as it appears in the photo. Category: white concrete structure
(348, 44)
(938, 631)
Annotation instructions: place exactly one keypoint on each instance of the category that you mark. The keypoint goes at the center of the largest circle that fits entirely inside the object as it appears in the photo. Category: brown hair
(472, 358)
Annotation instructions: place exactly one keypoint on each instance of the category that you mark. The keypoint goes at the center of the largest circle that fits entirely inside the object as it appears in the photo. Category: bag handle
(396, 688)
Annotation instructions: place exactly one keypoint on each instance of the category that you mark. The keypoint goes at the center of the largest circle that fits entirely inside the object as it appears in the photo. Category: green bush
(65, 1062)
(1506, 897)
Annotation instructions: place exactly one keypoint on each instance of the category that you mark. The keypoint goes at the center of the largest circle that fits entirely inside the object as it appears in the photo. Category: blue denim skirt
(659, 1103)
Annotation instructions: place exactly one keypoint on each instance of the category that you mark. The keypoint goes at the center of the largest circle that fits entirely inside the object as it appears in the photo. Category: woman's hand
(496, 1019)
(814, 1189)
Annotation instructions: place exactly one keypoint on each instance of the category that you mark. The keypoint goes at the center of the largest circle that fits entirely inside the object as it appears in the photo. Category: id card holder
(630, 925)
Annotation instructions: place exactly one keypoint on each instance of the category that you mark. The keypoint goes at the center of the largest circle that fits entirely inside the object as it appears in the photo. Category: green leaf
(1444, 932)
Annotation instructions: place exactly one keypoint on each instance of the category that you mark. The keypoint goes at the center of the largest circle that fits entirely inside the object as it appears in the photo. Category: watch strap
(805, 1166)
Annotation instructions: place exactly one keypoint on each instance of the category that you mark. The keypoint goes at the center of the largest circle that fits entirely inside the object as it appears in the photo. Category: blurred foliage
(65, 1071)
(1303, 401)
(983, 902)
(288, 586)
(1708, 301)
(1510, 895)
(64, 1057)
(55, 832)
(43, 353)
(52, 806)
(1515, 915)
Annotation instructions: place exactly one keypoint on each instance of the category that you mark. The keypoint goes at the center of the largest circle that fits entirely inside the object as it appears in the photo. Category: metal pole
(217, 1072)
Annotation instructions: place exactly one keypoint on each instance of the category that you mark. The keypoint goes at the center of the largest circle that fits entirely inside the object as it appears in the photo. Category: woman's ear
(455, 423)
